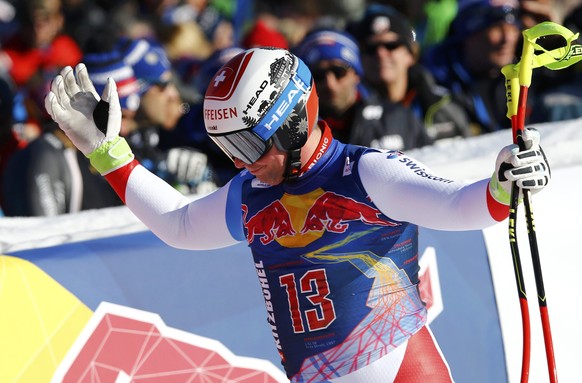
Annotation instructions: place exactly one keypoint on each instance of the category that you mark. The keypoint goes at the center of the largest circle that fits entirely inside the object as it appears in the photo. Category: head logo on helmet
(260, 97)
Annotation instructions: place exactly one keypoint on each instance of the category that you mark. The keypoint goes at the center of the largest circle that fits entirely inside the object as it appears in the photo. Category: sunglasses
(371, 49)
(338, 71)
(162, 84)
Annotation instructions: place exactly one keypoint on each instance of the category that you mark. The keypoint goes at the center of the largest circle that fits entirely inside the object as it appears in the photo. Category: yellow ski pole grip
(511, 88)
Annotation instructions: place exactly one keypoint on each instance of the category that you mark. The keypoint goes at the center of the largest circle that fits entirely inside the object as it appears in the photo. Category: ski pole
(531, 37)
(512, 90)
(518, 80)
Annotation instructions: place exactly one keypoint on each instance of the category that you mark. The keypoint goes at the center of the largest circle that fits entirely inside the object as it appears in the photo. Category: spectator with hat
(190, 130)
(391, 69)
(355, 115)
(161, 102)
(101, 66)
(151, 109)
(482, 38)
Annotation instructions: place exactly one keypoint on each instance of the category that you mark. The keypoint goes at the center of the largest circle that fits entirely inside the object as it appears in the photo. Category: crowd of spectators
(391, 74)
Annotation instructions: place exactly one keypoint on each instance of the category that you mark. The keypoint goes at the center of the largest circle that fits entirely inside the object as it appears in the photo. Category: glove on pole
(518, 80)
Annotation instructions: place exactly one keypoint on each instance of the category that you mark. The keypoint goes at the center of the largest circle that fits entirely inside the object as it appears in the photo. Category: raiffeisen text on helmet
(220, 114)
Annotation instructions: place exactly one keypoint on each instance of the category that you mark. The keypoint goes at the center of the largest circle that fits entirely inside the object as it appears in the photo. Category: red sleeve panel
(118, 178)
(497, 210)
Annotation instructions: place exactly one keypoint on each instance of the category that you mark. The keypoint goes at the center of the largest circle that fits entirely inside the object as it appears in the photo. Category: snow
(474, 158)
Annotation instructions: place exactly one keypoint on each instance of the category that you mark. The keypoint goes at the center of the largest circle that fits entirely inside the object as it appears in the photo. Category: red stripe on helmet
(226, 79)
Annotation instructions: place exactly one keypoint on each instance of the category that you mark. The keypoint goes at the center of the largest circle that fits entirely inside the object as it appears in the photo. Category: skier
(332, 227)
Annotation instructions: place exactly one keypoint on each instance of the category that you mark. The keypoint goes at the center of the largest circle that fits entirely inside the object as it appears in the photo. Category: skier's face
(269, 168)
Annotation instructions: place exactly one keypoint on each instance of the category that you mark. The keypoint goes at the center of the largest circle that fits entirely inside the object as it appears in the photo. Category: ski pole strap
(530, 37)
(536, 56)
(555, 59)
(573, 56)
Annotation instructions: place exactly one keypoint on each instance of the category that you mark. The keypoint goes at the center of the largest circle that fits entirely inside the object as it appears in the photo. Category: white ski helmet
(260, 97)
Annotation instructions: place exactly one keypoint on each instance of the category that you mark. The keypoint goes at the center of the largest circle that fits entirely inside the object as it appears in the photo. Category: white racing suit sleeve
(406, 190)
(175, 218)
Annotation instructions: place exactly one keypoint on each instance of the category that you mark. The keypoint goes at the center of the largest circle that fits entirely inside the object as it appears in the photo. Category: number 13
(314, 284)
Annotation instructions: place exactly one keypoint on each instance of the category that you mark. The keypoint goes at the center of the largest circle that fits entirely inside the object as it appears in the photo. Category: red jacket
(25, 61)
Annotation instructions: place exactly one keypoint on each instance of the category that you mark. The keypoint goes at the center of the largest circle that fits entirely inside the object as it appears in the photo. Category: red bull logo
(273, 221)
(295, 221)
(331, 211)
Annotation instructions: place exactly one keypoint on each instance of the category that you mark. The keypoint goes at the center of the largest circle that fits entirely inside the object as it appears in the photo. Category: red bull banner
(40, 321)
(131, 309)
(70, 314)
(122, 345)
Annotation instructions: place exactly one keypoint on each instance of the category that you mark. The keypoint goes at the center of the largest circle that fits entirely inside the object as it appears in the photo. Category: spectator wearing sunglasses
(391, 69)
(355, 115)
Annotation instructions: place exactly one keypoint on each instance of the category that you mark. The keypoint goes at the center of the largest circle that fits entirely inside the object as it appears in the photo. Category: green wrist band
(498, 192)
(111, 156)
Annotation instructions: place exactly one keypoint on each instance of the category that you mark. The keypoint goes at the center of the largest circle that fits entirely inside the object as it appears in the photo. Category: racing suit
(336, 252)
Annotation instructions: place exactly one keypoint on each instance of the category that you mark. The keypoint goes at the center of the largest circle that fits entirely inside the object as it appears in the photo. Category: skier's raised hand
(91, 122)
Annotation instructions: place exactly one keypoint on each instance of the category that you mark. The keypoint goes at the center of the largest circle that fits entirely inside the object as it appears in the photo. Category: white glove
(528, 168)
(91, 122)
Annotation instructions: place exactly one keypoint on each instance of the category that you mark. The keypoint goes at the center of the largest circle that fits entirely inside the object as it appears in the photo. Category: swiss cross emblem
(219, 78)
(227, 78)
